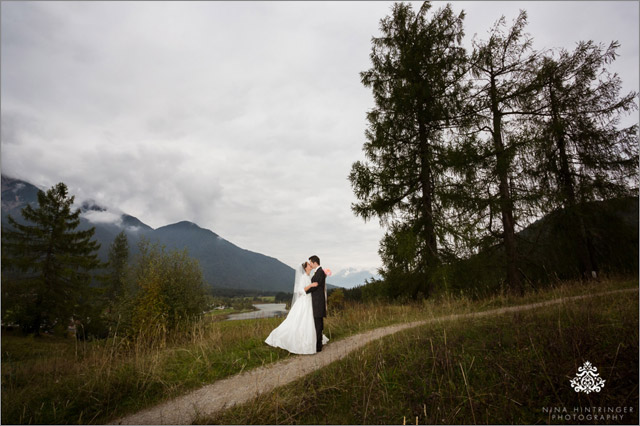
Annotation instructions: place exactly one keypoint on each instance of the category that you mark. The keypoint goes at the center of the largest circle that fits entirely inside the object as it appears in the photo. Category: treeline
(52, 278)
(246, 302)
(466, 150)
(225, 294)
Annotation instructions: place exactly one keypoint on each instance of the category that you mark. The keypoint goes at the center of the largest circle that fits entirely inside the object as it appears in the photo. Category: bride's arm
(310, 286)
(314, 285)
(300, 291)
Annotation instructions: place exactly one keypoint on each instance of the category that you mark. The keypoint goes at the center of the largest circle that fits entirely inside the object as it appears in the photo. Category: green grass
(105, 379)
(504, 369)
(56, 380)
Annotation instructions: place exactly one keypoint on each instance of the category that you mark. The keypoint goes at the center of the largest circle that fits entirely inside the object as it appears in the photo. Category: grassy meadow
(499, 369)
(507, 369)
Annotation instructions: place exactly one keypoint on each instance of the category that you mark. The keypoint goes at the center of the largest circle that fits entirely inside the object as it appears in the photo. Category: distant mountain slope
(351, 277)
(224, 265)
(15, 195)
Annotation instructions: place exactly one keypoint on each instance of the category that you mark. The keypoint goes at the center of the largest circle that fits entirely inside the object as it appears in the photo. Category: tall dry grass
(502, 369)
(55, 380)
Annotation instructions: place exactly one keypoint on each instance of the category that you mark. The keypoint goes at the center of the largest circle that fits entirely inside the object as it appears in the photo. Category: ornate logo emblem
(587, 380)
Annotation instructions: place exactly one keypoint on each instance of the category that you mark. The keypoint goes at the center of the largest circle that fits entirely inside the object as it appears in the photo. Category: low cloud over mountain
(224, 264)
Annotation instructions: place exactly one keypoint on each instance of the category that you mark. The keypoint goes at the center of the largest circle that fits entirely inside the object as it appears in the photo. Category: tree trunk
(506, 204)
(427, 201)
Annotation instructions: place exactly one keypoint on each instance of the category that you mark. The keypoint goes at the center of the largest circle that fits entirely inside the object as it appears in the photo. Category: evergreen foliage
(580, 152)
(503, 67)
(47, 264)
(117, 266)
(491, 171)
(417, 82)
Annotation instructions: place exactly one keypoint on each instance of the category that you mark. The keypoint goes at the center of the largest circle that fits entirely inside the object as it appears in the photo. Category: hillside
(224, 264)
(547, 254)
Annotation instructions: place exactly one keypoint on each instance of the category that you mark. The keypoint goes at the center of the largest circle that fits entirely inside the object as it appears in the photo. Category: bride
(297, 333)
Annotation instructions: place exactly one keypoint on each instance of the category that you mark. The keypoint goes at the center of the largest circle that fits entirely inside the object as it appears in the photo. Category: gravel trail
(245, 386)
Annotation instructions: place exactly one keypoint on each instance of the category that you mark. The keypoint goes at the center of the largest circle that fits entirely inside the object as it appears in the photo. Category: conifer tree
(504, 68)
(417, 75)
(117, 266)
(582, 153)
(49, 263)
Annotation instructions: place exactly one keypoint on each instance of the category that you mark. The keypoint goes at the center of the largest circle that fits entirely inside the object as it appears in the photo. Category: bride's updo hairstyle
(304, 265)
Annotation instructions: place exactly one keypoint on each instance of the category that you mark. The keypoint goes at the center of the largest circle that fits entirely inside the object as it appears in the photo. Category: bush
(164, 289)
(336, 299)
(242, 304)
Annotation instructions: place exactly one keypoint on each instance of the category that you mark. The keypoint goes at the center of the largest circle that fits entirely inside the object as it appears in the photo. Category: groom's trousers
(319, 326)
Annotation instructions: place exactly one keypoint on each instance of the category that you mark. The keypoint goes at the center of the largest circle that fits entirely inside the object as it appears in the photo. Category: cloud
(243, 117)
(103, 217)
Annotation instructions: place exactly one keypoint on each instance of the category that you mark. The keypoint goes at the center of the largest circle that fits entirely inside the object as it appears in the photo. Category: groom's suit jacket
(318, 301)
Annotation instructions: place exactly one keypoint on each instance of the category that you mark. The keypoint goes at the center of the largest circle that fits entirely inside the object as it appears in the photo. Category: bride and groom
(301, 331)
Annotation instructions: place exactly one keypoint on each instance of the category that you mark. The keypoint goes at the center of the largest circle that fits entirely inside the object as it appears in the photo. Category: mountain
(224, 265)
(15, 195)
(352, 277)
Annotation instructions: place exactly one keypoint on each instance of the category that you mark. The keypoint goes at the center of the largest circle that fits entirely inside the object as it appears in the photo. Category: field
(500, 369)
(506, 369)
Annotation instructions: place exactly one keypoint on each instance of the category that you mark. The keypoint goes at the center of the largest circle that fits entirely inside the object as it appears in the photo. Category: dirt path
(246, 386)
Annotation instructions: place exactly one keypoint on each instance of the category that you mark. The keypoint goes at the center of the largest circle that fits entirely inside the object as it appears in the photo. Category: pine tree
(583, 155)
(417, 76)
(49, 263)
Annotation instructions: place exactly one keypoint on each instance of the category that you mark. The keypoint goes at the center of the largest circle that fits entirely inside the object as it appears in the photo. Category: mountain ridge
(224, 264)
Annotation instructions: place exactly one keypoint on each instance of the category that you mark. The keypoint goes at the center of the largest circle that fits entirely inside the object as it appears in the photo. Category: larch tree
(417, 77)
(504, 69)
(583, 152)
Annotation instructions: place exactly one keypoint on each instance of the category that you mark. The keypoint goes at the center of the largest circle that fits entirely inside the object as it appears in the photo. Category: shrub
(164, 289)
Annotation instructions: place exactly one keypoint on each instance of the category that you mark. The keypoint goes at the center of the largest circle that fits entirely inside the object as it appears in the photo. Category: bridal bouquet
(328, 272)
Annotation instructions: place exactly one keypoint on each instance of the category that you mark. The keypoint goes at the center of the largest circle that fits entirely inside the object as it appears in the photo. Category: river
(265, 310)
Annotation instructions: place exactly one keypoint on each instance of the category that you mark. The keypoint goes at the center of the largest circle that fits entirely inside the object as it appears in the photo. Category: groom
(318, 299)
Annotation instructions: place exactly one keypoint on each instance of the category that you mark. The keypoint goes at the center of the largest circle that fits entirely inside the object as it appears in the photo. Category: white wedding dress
(297, 333)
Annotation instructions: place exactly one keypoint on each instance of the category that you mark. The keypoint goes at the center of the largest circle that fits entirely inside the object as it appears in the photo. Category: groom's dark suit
(318, 302)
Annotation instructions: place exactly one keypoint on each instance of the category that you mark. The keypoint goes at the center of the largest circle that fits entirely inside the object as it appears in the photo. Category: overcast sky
(243, 117)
